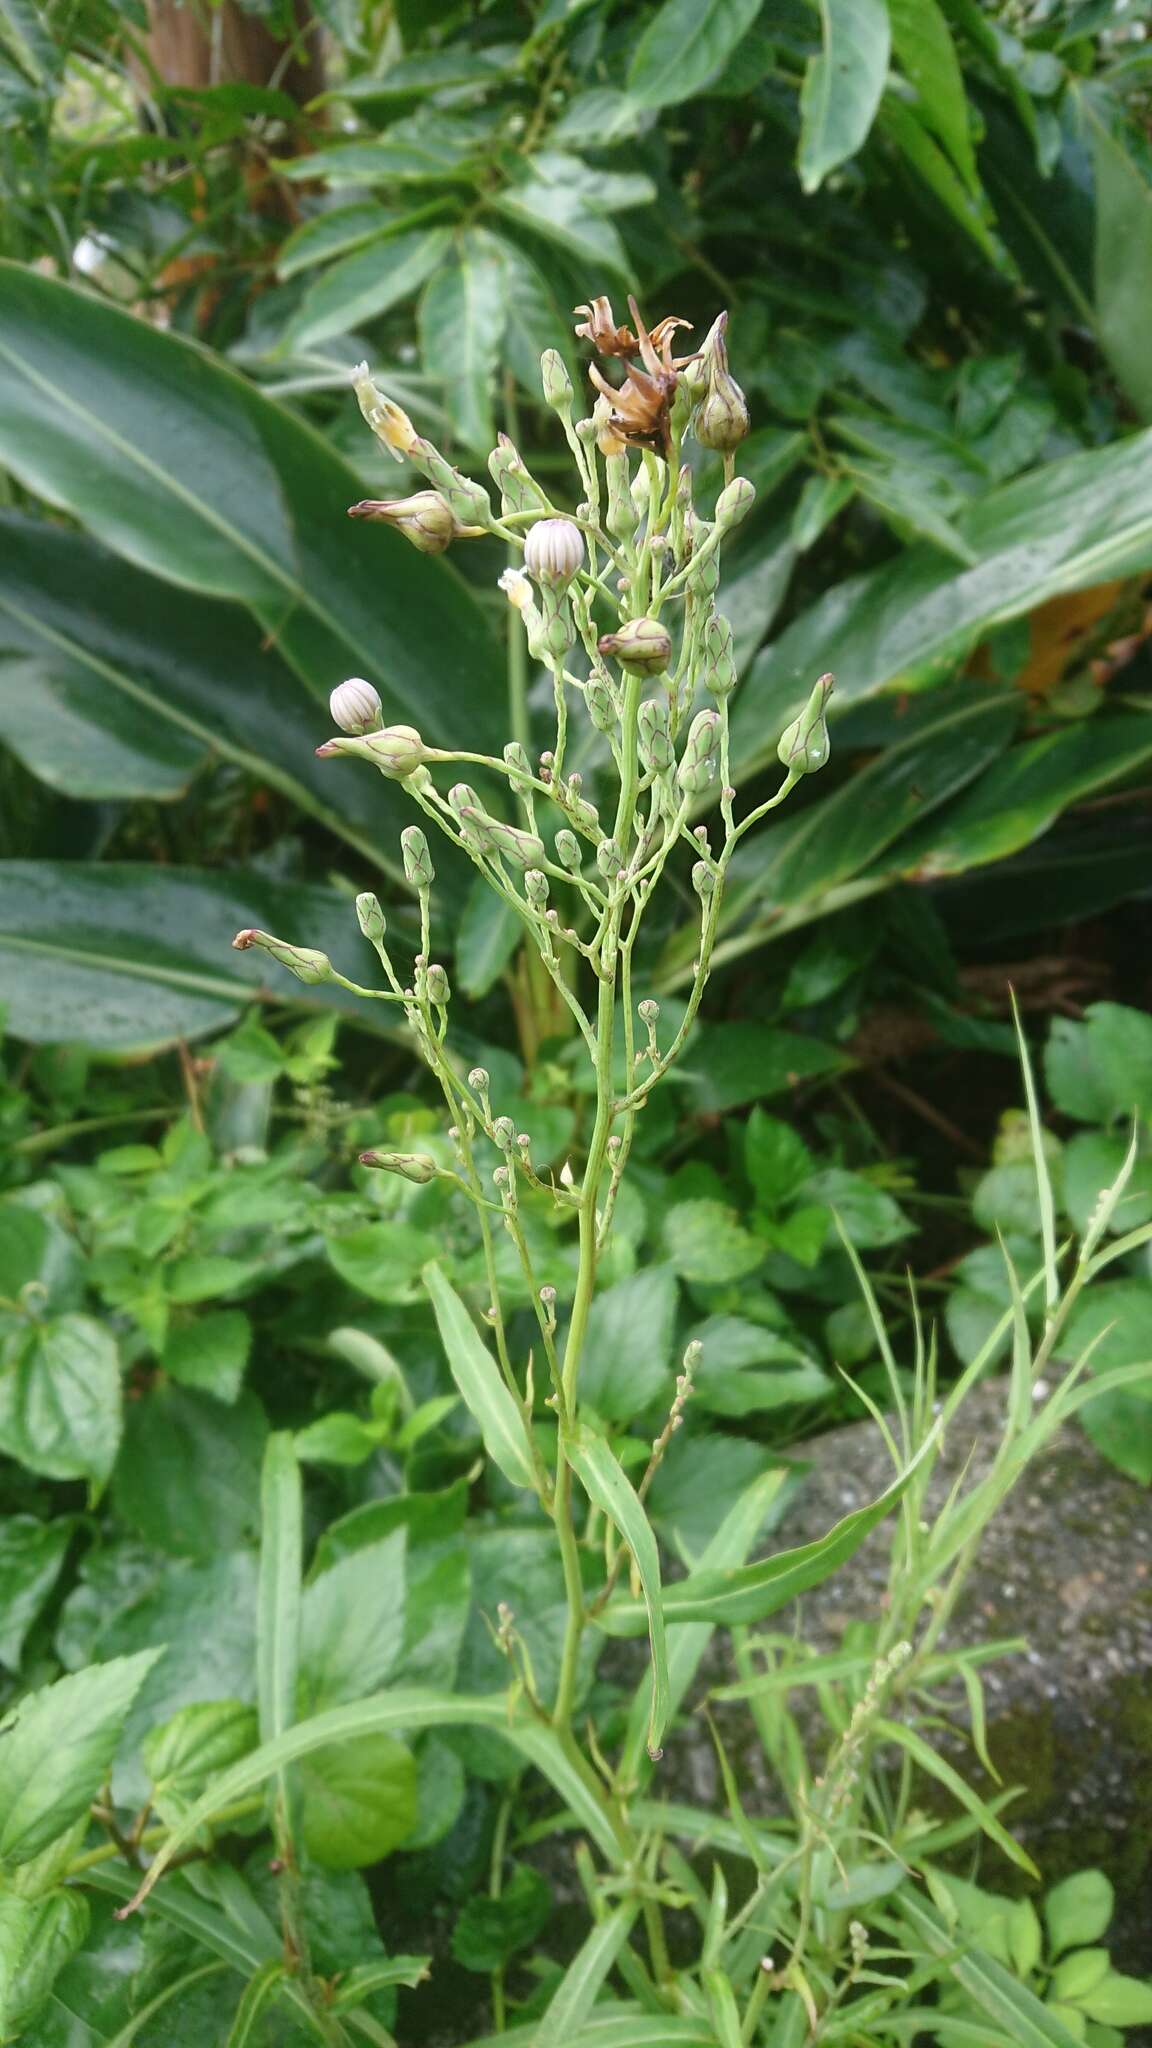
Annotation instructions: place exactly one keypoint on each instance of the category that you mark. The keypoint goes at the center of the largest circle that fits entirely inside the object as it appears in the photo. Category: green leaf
(627, 1351)
(933, 169)
(461, 329)
(923, 47)
(1027, 2023)
(709, 1246)
(685, 47)
(572, 2003)
(258, 1996)
(936, 1766)
(184, 467)
(490, 1931)
(210, 1353)
(750, 1592)
(355, 1801)
(185, 1753)
(842, 86)
(1099, 1069)
(730, 1064)
(37, 1937)
(189, 1476)
(278, 1603)
(1078, 1909)
(607, 1487)
(352, 1625)
(407, 1709)
(334, 233)
(36, 1251)
(476, 1374)
(776, 1159)
(48, 720)
(57, 1750)
(1117, 2001)
(60, 1399)
(1123, 251)
(551, 208)
(365, 284)
(31, 1556)
(383, 1260)
(486, 938)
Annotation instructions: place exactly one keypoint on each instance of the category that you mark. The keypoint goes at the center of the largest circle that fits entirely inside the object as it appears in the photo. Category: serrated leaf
(56, 1752)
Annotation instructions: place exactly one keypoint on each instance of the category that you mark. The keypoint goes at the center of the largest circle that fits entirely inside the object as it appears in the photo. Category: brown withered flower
(638, 409)
(599, 327)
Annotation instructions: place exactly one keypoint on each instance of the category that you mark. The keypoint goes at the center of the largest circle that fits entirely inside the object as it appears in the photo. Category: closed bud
(302, 961)
(735, 503)
(519, 768)
(568, 849)
(622, 517)
(469, 501)
(609, 859)
(504, 1132)
(553, 552)
(720, 420)
(396, 750)
(703, 880)
(557, 630)
(654, 736)
(389, 422)
(523, 849)
(479, 1080)
(426, 519)
(556, 382)
(419, 872)
(519, 491)
(648, 1011)
(371, 918)
(719, 661)
(601, 709)
(584, 815)
(356, 707)
(414, 1166)
(436, 985)
(804, 745)
(642, 644)
(536, 886)
(701, 753)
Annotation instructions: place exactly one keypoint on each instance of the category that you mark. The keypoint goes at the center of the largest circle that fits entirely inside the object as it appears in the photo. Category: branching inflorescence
(618, 602)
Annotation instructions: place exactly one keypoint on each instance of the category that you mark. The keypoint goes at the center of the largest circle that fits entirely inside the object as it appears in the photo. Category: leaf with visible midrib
(842, 86)
(606, 1485)
(685, 46)
(478, 1377)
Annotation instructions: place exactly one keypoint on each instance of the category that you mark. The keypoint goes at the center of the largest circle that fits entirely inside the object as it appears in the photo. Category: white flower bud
(553, 552)
(356, 707)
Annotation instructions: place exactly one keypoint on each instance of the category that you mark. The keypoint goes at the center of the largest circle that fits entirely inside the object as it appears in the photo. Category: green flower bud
(721, 418)
(554, 552)
(703, 880)
(654, 736)
(804, 745)
(436, 985)
(622, 518)
(302, 961)
(584, 815)
(409, 1165)
(519, 491)
(701, 753)
(396, 750)
(355, 707)
(419, 872)
(719, 662)
(371, 918)
(426, 519)
(536, 886)
(523, 849)
(520, 777)
(609, 859)
(735, 503)
(568, 849)
(601, 709)
(479, 1080)
(556, 382)
(389, 422)
(559, 630)
(504, 1132)
(648, 1011)
(642, 644)
(469, 501)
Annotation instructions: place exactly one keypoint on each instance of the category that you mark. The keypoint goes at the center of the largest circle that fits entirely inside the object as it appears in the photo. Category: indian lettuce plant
(232, 1829)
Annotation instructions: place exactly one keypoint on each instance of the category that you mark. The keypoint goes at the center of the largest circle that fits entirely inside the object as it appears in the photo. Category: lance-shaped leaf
(842, 86)
(477, 1375)
(1026, 2022)
(606, 1485)
(575, 1996)
(185, 468)
(685, 46)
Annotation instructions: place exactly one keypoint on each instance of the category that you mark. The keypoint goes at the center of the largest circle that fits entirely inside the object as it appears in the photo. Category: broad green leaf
(365, 284)
(923, 47)
(548, 206)
(427, 149)
(383, 1260)
(461, 330)
(185, 1753)
(57, 1751)
(1123, 259)
(751, 1592)
(188, 1479)
(128, 955)
(352, 1625)
(1098, 1068)
(609, 1489)
(1025, 792)
(899, 495)
(31, 1555)
(174, 675)
(994, 1989)
(486, 938)
(210, 1353)
(60, 1399)
(1078, 1909)
(627, 1351)
(1066, 526)
(571, 2004)
(355, 1801)
(188, 470)
(842, 86)
(708, 1245)
(36, 1939)
(404, 1710)
(48, 720)
(491, 1930)
(335, 232)
(685, 46)
(36, 1252)
(477, 1375)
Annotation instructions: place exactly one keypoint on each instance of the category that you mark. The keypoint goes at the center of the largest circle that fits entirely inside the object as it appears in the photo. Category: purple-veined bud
(721, 419)
(609, 859)
(703, 880)
(568, 849)
(479, 1080)
(371, 918)
(642, 644)
(302, 961)
(468, 500)
(601, 709)
(648, 1011)
(426, 519)
(436, 986)
(719, 660)
(701, 752)
(409, 1165)
(556, 383)
(735, 503)
(396, 750)
(804, 745)
(553, 552)
(419, 872)
(523, 849)
(519, 491)
(654, 736)
(504, 1132)
(356, 707)
(536, 886)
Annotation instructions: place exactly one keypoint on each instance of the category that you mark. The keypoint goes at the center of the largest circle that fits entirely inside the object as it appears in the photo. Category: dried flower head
(599, 327)
(638, 409)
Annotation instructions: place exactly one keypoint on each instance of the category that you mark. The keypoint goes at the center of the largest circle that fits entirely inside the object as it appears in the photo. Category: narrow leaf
(606, 1485)
(477, 1375)
(365, 284)
(255, 2002)
(930, 1761)
(1026, 2022)
(1123, 282)
(685, 46)
(842, 86)
(572, 2002)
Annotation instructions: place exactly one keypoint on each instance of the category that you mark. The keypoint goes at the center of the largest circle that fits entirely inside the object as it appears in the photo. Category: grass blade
(255, 2002)
(573, 2001)
(928, 1759)
(1043, 1178)
(1027, 2023)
